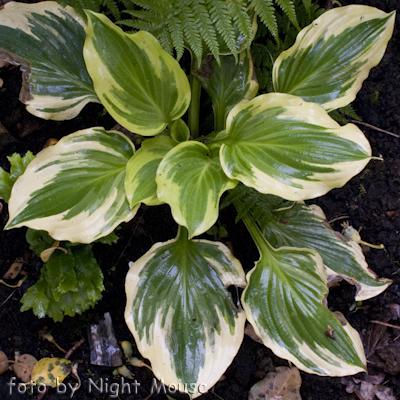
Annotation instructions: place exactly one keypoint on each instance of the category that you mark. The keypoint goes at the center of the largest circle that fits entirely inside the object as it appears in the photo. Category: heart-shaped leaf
(279, 144)
(285, 303)
(139, 84)
(306, 227)
(46, 40)
(181, 314)
(75, 189)
(190, 179)
(140, 181)
(333, 56)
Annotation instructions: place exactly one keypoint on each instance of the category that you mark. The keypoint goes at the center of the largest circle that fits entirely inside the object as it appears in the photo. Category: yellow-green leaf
(279, 144)
(140, 85)
(333, 56)
(51, 371)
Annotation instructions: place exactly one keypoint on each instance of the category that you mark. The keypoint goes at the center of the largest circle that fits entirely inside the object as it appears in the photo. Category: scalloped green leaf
(140, 181)
(285, 301)
(139, 84)
(279, 144)
(333, 56)
(74, 190)
(190, 179)
(306, 227)
(69, 284)
(46, 40)
(230, 83)
(180, 313)
(18, 165)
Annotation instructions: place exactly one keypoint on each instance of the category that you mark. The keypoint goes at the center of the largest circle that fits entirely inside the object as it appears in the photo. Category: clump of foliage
(271, 151)
(71, 281)
(215, 26)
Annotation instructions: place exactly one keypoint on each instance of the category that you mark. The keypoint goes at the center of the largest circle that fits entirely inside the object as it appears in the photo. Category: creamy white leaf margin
(161, 277)
(284, 303)
(74, 190)
(304, 226)
(46, 41)
(141, 86)
(355, 59)
(190, 179)
(276, 136)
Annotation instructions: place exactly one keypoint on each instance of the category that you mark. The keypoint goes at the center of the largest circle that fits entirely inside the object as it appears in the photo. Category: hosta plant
(277, 149)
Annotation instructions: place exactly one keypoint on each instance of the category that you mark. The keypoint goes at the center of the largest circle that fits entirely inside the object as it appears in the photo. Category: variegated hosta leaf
(190, 179)
(47, 41)
(306, 227)
(74, 190)
(181, 314)
(230, 83)
(279, 144)
(180, 131)
(333, 56)
(140, 181)
(284, 301)
(140, 85)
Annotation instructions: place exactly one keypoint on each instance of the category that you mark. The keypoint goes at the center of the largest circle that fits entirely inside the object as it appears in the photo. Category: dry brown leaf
(394, 310)
(3, 362)
(284, 384)
(13, 271)
(249, 331)
(23, 367)
(367, 389)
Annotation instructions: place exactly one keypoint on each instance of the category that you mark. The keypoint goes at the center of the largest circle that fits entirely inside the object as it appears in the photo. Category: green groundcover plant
(271, 151)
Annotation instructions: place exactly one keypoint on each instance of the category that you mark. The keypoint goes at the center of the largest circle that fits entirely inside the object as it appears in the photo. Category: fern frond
(288, 8)
(205, 26)
(349, 112)
(148, 16)
(166, 41)
(266, 12)
(223, 22)
(177, 36)
(136, 24)
(342, 115)
(307, 6)
(241, 18)
(112, 7)
(80, 5)
(192, 34)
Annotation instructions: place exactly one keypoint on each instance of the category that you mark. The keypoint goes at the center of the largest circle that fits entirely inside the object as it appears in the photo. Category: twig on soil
(385, 324)
(338, 219)
(41, 395)
(8, 298)
(374, 127)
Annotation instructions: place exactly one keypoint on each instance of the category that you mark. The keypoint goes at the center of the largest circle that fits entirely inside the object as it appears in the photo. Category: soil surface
(371, 201)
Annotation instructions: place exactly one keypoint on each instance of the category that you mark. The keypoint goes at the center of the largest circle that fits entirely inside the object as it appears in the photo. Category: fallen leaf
(51, 371)
(394, 310)
(284, 384)
(23, 367)
(249, 331)
(391, 214)
(3, 362)
(13, 271)
(365, 389)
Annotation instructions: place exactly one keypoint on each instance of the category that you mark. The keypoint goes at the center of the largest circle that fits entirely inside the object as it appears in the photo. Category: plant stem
(263, 246)
(219, 117)
(194, 109)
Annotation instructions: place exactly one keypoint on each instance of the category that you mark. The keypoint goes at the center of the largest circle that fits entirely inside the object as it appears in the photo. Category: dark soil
(371, 200)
